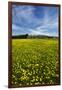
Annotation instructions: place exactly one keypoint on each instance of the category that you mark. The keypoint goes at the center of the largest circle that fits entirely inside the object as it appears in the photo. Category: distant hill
(32, 36)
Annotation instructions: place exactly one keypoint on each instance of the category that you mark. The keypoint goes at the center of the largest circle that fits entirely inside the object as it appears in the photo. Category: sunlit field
(35, 62)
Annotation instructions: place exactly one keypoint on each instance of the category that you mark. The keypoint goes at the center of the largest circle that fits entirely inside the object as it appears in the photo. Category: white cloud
(34, 32)
(24, 13)
(15, 27)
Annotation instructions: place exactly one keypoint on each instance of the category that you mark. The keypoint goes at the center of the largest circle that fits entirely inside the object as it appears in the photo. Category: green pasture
(35, 62)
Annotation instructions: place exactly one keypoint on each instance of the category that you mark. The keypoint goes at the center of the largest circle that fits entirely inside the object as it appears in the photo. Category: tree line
(20, 36)
(26, 36)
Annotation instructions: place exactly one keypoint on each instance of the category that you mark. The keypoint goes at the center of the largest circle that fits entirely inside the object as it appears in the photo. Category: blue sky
(35, 20)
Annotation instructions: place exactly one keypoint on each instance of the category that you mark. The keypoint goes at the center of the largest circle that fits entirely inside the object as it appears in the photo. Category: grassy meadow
(35, 62)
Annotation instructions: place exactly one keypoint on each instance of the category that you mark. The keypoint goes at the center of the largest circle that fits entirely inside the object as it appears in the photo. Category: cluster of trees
(20, 36)
(31, 36)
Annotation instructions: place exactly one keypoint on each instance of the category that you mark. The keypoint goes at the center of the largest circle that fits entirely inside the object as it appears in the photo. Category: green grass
(35, 62)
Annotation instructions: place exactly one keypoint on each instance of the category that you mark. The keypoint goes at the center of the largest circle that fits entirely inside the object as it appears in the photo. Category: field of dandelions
(35, 62)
